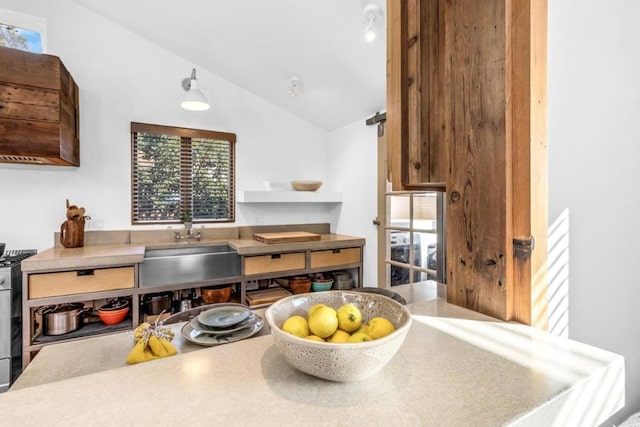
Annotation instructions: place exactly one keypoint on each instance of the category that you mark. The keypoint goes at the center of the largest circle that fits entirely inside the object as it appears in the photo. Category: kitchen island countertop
(456, 367)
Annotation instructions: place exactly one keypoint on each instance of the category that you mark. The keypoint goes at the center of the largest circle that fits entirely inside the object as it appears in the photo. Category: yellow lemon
(339, 336)
(314, 338)
(379, 327)
(349, 318)
(323, 322)
(359, 337)
(363, 328)
(313, 308)
(296, 325)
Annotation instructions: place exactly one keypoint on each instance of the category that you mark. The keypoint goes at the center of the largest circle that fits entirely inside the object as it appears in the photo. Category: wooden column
(527, 127)
(479, 200)
(497, 188)
(397, 87)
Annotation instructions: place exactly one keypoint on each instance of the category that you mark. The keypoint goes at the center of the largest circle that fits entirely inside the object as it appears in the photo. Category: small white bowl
(342, 362)
(276, 186)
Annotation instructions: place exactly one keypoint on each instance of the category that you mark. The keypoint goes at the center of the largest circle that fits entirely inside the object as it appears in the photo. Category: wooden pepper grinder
(72, 230)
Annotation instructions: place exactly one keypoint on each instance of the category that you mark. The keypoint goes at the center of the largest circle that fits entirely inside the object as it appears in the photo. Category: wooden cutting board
(286, 237)
(266, 296)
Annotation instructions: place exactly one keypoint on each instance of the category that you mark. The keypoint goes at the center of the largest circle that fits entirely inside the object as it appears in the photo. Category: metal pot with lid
(61, 319)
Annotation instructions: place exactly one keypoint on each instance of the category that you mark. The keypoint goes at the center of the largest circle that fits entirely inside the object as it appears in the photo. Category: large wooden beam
(497, 188)
(479, 199)
(397, 89)
(527, 128)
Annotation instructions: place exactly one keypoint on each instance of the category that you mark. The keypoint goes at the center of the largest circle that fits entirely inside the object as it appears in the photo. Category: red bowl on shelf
(113, 317)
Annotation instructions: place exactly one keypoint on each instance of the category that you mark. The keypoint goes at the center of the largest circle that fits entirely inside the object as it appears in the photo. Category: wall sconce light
(194, 100)
(372, 15)
(295, 87)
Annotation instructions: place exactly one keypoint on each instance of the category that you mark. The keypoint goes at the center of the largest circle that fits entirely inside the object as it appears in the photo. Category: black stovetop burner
(13, 257)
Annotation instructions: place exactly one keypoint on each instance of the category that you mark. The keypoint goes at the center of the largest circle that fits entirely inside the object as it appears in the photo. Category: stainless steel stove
(11, 315)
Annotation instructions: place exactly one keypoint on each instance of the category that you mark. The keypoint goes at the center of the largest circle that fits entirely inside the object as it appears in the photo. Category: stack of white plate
(222, 324)
(342, 280)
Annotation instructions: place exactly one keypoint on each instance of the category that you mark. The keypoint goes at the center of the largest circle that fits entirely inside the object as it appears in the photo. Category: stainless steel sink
(199, 265)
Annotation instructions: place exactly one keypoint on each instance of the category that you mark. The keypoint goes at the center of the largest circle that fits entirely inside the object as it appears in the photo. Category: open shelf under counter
(288, 197)
(87, 330)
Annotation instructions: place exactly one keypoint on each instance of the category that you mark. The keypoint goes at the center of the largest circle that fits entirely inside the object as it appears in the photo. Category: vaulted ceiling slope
(260, 44)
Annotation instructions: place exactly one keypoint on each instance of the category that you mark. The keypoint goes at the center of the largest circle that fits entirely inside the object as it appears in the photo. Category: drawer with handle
(80, 281)
(333, 257)
(274, 262)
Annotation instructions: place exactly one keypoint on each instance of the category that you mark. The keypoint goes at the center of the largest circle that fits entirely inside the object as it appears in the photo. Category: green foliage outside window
(175, 175)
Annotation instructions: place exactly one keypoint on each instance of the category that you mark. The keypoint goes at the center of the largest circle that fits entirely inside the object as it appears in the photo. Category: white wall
(594, 153)
(123, 78)
(352, 168)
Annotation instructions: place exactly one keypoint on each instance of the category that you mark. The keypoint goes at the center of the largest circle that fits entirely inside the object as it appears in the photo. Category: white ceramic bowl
(339, 362)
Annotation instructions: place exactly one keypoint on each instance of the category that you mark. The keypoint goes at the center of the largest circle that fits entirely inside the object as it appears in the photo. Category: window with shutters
(180, 174)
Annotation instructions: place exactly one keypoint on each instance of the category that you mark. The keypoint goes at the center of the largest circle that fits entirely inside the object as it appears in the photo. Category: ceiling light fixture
(194, 99)
(372, 15)
(295, 87)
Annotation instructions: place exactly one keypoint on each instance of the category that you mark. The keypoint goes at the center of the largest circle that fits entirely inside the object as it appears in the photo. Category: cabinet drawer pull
(90, 272)
(276, 256)
(336, 251)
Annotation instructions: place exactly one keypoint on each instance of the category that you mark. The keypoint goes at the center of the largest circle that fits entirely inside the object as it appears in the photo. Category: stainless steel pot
(157, 304)
(63, 318)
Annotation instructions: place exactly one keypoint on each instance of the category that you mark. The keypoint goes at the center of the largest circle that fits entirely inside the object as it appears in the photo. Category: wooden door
(479, 109)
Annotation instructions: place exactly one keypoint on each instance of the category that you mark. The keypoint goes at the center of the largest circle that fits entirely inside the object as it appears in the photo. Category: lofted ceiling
(260, 44)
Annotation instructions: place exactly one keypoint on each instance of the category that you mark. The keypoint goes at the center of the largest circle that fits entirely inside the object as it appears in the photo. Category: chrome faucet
(190, 235)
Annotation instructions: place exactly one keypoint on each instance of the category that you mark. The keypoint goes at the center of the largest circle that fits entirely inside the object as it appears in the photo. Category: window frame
(26, 22)
(190, 133)
(439, 274)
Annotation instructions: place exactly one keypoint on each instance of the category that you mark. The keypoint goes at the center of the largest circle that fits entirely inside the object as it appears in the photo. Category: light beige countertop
(60, 258)
(90, 355)
(455, 368)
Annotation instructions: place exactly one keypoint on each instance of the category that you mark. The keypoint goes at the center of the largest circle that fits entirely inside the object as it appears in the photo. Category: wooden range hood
(39, 110)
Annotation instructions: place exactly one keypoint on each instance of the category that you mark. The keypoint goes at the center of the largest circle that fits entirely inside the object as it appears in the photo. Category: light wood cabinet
(86, 285)
(335, 257)
(283, 264)
(80, 281)
(466, 114)
(274, 262)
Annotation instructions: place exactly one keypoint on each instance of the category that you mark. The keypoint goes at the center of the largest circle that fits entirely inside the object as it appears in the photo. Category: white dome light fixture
(295, 87)
(194, 100)
(372, 16)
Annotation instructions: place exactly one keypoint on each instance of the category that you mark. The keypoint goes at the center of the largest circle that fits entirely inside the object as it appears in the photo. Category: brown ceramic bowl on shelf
(306, 185)
(300, 287)
(216, 295)
(299, 279)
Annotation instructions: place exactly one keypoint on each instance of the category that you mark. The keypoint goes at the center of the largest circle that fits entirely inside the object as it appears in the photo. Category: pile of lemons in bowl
(312, 332)
(345, 325)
